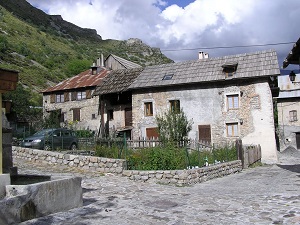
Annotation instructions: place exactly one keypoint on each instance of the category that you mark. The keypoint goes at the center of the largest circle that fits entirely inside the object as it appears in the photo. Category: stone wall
(185, 177)
(178, 177)
(103, 165)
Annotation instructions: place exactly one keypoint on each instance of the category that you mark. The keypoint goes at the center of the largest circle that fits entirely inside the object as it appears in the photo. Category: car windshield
(43, 132)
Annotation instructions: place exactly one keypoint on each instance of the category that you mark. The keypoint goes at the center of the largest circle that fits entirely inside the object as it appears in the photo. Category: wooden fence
(248, 154)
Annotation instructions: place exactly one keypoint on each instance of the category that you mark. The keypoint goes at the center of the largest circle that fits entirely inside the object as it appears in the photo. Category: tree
(173, 126)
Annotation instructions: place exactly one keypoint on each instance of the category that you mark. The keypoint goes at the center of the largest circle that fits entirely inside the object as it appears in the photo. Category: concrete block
(4, 180)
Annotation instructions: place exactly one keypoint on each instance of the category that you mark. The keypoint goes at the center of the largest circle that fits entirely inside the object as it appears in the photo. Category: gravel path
(262, 195)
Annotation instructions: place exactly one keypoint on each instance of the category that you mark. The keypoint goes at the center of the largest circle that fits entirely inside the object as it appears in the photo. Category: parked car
(51, 139)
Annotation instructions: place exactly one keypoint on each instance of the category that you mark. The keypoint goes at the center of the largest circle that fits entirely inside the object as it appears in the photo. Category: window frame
(148, 108)
(81, 95)
(234, 129)
(293, 115)
(230, 100)
(59, 98)
(175, 105)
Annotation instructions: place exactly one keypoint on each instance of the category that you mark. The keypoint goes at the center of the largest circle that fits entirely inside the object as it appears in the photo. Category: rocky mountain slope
(46, 49)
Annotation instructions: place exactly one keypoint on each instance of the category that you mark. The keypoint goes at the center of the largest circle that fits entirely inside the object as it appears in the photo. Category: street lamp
(292, 77)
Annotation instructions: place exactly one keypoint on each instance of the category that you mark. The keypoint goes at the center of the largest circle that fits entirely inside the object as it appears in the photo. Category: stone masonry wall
(186, 177)
(105, 165)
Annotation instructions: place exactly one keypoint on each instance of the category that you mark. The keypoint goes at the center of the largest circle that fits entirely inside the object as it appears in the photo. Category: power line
(226, 47)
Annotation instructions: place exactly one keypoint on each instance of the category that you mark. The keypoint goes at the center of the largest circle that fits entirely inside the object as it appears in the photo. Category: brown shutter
(52, 98)
(204, 133)
(152, 133)
(76, 114)
(73, 95)
(88, 94)
(66, 96)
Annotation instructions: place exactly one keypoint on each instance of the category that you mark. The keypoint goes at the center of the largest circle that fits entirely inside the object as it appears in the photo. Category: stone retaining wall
(118, 166)
(104, 165)
(186, 177)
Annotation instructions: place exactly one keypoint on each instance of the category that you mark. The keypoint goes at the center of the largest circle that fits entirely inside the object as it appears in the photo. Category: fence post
(240, 152)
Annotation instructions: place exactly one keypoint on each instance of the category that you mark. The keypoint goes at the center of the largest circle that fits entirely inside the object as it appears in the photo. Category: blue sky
(199, 25)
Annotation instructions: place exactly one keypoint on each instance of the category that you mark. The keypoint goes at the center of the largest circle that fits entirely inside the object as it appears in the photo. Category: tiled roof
(249, 65)
(84, 79)
(117, 81)
(127, 64)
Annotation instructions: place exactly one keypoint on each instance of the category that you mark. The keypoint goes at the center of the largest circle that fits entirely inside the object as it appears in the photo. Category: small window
(229, 69)
(148, 109)
(293, 115)
(110, 114)
(93, 116)
(59, 98)
(175, 106)
(232, 101)
(168, 77)
(81, 95)
(232, 129)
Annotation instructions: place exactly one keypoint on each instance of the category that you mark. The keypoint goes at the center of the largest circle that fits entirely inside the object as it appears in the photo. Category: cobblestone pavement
(262, 195)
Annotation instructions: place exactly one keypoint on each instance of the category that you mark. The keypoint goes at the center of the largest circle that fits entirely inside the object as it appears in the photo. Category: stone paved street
(261, 195)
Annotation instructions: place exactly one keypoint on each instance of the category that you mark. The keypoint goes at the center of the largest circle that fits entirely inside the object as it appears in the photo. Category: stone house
(116, 101)
(288, 102)
(72, 101)
(226, 98)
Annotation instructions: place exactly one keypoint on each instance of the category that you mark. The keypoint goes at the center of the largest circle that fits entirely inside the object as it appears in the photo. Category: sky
(182, 28)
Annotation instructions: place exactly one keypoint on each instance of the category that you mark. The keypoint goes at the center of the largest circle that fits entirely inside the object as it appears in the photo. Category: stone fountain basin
(41, 196)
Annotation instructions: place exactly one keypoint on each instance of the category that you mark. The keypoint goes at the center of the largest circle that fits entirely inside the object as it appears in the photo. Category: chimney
(102, 60)
(94, 69)
(203, 55)
(98, 62)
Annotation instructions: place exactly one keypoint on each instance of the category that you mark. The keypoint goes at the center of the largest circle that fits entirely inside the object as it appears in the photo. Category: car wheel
(73, 147)
(47, 147)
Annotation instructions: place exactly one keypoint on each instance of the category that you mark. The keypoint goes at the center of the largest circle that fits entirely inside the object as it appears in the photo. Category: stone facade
(89, 111)
(209, 106)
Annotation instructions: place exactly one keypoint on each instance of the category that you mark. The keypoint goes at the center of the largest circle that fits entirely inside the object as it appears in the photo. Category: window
(110, 114)
(93, 116)
(168, 77)
(76, 114)
(293, 115)
(229, 69)
(148, 109)
(52, 98)
(59, 98)
(81, 95)
(232, 101)
(175, 106)
(232, 129)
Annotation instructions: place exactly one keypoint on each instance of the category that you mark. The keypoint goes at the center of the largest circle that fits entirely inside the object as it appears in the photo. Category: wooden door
(204, 133)
(128, 117)
(298, 140)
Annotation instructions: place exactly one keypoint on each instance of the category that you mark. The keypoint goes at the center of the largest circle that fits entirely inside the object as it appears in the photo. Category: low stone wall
(104, 165)
(186, 177)
(118, 166)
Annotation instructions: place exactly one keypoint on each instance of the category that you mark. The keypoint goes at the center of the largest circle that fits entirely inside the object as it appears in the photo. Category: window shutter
(204, 133)
(66, 96)
(52, 98)
(73, 95)
(88, 94)
(76, 114)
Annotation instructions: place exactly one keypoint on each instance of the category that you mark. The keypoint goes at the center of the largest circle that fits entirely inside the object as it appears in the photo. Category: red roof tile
(84, 79)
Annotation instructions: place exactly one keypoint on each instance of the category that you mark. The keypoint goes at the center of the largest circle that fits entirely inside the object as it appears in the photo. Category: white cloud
(200, 23)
